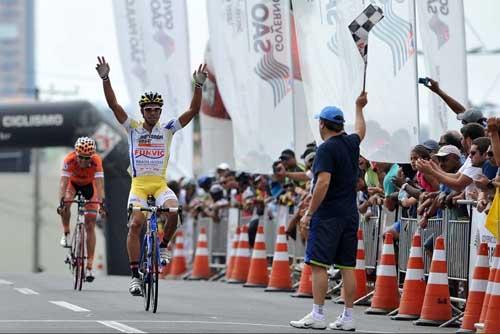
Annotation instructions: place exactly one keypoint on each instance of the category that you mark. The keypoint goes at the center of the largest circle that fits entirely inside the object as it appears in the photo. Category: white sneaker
(343, 324)
(309, 322)
(64, 241)
(165, 256)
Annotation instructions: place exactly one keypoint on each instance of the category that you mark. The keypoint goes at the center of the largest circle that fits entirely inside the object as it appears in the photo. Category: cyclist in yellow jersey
(149, 151)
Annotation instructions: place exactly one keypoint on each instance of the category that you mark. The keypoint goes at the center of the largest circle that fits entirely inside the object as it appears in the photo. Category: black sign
(45, 124)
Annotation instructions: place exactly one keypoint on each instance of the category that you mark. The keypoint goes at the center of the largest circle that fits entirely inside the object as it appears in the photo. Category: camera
(424, 81)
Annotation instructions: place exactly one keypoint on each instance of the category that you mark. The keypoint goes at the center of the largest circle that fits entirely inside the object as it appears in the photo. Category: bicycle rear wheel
(155, 272)
(146, 274)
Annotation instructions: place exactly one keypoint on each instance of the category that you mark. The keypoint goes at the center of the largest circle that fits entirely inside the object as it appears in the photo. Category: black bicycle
(77, 257)
(150, 265)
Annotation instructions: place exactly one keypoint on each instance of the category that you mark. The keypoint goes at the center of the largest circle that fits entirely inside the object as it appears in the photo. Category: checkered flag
(362, 25)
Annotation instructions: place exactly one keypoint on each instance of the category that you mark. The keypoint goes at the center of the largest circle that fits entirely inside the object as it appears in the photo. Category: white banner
(252, 62)
(479, 234)
(303, 134)
(154, 43)
(332, 70)
(129, 24)
(442, 29)
(166, 42)
(216, 127)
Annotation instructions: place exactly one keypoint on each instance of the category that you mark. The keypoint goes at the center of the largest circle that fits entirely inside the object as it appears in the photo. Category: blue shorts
(332, 241)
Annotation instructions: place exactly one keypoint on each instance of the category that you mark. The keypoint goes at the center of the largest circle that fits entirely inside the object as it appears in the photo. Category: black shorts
(86, 190)
(333, 241)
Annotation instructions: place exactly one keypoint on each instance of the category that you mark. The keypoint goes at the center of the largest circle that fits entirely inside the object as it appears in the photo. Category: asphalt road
(47, 303)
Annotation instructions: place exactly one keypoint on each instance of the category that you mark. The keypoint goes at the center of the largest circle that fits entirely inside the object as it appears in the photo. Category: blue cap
(332, 114)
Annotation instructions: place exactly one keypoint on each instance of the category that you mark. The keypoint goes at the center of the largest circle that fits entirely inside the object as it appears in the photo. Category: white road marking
(69, 306)
(120, 327)
(4, 282)
(107, 322)
(26, 291)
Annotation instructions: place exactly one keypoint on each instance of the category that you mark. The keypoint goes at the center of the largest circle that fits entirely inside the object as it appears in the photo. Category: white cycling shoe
(165, 256)
(64, 241)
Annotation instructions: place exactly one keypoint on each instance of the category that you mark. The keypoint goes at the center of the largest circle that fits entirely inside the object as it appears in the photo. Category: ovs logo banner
(250, 43)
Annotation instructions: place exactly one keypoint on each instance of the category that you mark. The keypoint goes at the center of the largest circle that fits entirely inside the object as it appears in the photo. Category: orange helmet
(85, 146)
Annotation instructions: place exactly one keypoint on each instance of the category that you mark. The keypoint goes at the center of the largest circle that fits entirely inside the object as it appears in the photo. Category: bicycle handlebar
(151, 209)
(82, 201)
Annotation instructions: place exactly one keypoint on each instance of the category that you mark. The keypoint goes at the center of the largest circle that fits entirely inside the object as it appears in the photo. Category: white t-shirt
(471, 172)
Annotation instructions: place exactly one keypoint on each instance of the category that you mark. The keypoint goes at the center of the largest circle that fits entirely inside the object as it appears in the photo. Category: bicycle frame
(78, 251)
(150, 264)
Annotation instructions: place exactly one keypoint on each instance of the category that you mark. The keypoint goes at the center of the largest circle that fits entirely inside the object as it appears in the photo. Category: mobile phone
(424, 81)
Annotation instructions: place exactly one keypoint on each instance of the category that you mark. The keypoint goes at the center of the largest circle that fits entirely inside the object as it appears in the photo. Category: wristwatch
(308, 213)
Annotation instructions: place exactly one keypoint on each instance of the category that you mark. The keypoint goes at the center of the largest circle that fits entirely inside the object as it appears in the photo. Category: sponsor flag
(442, 30)
(250, 45)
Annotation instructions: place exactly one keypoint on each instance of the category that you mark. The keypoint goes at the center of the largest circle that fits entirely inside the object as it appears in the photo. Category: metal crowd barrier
(457, 237)
(371, 232)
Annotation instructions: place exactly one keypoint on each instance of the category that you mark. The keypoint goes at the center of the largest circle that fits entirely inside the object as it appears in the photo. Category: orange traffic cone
(201, 267)
(232, 255)
(437, 307)
(414, 285)
(281, 279)
(386, 296)
(477, 290)
(239, 273)
(305, 285)
(178, 267)
(359, 272)
(492, 321)
(258, 277)
(489, 288)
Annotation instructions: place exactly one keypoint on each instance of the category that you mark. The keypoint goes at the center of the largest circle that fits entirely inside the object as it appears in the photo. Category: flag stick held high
(360, 28)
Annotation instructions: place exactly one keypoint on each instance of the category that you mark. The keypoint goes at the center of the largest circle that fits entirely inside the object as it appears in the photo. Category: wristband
(198, 85)
(106, 78)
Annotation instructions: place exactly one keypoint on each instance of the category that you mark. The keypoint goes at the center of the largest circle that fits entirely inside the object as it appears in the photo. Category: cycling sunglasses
(82, 157)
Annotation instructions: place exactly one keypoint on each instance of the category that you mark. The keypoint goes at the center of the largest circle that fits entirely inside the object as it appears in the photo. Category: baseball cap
(447, 150)
(223, 166)
(332, 114)
(431, 145)
(473, 115)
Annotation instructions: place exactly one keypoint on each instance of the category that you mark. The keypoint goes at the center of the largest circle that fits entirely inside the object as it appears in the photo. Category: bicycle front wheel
(146, 274)
(155, 271)
(79, 258)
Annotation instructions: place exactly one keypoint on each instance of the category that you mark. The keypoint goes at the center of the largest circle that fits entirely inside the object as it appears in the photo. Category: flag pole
(364, 77)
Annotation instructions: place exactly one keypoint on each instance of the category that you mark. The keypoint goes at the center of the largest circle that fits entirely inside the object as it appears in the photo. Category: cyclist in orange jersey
(82, 171)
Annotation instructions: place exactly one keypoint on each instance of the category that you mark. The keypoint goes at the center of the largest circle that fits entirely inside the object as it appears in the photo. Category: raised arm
(454, 105)
(199, 77)
(359, 122)
(103, 71)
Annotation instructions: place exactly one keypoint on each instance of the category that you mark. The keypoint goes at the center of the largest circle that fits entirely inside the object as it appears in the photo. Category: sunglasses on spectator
(473, 153)
(82, 157)
(490, 154)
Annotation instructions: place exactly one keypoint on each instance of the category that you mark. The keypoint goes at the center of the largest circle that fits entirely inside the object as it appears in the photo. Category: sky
(71, 34)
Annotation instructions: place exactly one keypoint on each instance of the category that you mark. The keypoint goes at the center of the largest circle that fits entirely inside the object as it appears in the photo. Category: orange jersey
(82, 176)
